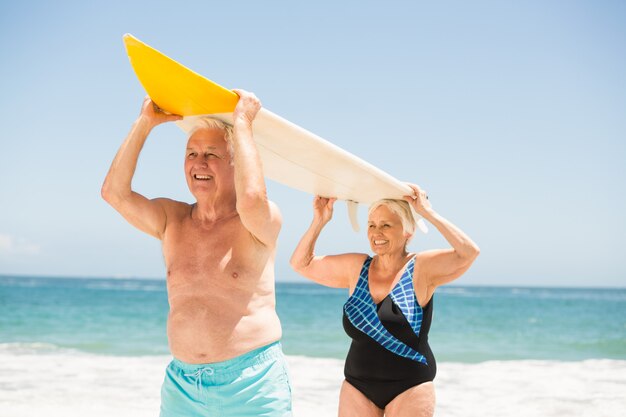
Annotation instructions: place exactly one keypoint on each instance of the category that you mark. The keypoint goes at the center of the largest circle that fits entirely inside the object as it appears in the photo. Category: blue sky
(510, 114)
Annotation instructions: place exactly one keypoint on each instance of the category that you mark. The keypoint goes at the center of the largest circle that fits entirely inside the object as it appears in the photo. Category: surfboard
(291, 155)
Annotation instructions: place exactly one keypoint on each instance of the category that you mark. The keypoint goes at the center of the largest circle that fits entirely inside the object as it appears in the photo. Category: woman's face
(385, 233)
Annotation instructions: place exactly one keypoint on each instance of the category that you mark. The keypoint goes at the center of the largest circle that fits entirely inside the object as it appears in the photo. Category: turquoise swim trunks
(253, 384)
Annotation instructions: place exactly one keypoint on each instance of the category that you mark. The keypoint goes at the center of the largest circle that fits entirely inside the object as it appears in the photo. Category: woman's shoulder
(357, 258)
(352, 263)
(351, 260)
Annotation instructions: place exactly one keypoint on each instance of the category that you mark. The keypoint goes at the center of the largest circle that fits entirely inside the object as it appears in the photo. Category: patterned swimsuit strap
(362, 313)
(364, 274)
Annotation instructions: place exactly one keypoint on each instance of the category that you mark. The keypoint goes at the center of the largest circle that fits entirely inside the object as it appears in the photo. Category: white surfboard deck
(290, 154)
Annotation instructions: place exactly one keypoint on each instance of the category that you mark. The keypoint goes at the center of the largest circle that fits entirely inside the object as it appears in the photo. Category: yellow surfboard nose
(186, 92)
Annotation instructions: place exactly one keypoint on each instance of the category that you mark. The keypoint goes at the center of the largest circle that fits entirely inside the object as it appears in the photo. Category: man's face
(208, 166)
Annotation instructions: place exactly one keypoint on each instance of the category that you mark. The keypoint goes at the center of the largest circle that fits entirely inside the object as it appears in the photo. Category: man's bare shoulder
(173, 208)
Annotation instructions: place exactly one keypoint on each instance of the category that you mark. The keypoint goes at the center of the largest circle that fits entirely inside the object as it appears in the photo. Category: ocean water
(470, 324)
(97, 347)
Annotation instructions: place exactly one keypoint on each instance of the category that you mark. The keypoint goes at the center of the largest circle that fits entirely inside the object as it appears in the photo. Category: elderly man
(219, 252)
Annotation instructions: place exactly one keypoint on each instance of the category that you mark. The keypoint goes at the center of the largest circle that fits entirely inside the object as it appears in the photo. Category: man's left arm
(257, 213)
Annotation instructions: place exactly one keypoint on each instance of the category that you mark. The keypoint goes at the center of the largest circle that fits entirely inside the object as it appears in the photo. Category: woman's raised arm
(337, 271)
(438, 267)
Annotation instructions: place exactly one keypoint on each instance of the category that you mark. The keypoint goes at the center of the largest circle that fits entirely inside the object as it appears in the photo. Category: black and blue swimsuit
(389, 352)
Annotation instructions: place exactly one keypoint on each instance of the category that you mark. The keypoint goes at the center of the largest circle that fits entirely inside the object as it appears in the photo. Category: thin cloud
(10, 245)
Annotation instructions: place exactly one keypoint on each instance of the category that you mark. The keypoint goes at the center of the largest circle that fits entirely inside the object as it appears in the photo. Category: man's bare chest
(220, 250)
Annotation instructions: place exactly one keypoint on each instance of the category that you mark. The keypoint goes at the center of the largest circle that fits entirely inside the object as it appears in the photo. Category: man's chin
(202, 189)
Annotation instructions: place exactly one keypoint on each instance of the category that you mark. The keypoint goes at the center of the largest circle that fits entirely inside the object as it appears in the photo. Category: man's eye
(192, 155)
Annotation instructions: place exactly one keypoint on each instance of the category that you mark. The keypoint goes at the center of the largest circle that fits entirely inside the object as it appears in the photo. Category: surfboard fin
(352, 213)
(420, 223)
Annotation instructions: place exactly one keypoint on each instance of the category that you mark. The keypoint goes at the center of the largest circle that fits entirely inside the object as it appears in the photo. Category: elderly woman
(389, 368)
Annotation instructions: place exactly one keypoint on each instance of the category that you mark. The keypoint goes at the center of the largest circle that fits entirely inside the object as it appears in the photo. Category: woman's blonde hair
(399, 207)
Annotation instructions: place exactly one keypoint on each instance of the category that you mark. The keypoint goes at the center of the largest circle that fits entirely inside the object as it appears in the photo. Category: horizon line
(305, 281)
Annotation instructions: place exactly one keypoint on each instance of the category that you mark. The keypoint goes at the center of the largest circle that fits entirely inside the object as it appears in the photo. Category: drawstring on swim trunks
(198, 375)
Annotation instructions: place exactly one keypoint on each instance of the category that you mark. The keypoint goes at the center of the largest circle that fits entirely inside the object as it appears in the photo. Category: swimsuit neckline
(367, 282)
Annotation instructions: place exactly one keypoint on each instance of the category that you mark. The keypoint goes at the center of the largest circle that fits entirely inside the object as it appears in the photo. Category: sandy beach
(75, 384)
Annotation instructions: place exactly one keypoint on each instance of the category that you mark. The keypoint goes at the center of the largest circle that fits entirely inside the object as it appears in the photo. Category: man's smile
(202, 177)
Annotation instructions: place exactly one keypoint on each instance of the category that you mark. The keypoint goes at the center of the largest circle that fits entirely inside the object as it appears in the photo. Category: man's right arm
(147, 215)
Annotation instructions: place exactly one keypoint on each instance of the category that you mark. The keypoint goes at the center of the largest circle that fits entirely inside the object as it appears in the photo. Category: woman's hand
(154, 115)
(323, 209)
(419, 200)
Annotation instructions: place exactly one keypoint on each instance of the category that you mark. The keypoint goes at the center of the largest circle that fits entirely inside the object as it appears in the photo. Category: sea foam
(38, 380)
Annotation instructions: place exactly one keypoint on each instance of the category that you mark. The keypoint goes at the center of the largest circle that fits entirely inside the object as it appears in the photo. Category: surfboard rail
(291, 155)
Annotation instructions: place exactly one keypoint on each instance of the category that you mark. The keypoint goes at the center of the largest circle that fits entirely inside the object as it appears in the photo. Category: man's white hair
(208, 122)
